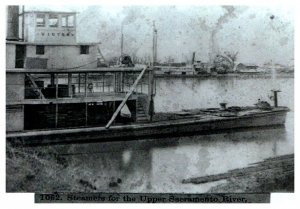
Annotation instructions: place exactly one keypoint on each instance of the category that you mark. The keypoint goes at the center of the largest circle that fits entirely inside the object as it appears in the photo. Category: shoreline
(228, 75)
(275, 174)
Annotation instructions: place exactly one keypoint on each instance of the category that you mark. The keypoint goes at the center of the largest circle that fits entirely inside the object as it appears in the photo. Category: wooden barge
(187, 124)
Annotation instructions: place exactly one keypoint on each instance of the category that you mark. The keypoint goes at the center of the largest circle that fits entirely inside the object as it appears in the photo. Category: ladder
(100, 58)
(36, 88)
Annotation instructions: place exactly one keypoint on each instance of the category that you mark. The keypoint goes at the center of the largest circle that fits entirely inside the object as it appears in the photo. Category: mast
(154, 47)
(151, 74)
(122, 37)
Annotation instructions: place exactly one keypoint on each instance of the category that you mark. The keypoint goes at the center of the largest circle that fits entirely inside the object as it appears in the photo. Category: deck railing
(84, 84)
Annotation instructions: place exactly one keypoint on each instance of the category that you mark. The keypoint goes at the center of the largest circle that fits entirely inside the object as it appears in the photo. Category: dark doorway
(20, 56)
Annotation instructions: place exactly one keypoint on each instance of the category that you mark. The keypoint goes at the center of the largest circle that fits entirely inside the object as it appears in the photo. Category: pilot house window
(64, 20)
(40, 49)
(53, 20)
(71, 21)
(84, 49)
(40, 20)
(67, 21)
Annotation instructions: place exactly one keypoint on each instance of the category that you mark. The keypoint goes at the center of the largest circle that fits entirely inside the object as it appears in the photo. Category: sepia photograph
(158, 99)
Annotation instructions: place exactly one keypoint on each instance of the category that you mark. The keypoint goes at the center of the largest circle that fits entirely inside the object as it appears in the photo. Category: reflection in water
(212, 154)
(159, 165)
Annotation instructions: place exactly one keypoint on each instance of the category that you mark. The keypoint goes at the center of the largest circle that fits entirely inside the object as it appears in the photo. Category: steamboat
(61, 91)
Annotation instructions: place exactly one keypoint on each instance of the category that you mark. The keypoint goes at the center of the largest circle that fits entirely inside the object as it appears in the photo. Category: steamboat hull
(153, 129)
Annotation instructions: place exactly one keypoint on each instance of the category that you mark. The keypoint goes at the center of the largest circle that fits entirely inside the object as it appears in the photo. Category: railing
(65, 98)
(69, 85)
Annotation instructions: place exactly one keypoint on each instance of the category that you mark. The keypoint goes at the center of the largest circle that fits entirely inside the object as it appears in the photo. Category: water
(159, 165)
(174, 94)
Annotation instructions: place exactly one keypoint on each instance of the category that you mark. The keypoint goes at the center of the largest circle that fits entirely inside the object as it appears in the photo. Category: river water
(159, 165)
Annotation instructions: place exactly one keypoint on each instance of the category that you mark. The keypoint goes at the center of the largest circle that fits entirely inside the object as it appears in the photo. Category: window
(40, 49)
(67, 21)
(71, 21)
(64, 21)
(53, 20)
(40, 20)
(84, 49)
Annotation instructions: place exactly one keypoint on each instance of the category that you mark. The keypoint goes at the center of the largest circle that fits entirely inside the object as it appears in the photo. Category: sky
(259, 34)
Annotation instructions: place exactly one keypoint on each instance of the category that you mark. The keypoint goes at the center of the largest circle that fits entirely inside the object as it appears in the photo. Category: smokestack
(12, 31)
(193, 58)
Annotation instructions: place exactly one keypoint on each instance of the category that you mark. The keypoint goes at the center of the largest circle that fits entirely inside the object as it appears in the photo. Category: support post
(79, 83)
(52, 79)
(115, 83)
(122, 82)
(70, 90)
(103, 82)
(85, 82)
(56, 115)
(86, 114)
(56, 85)
(114, 107)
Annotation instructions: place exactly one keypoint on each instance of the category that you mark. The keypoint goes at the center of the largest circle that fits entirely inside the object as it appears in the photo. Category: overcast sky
(259, 34)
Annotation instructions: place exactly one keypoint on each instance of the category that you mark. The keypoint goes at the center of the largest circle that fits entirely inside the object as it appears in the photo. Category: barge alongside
(200, 122)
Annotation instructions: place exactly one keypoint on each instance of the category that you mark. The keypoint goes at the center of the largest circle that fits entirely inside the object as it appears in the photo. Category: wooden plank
(126, 98)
